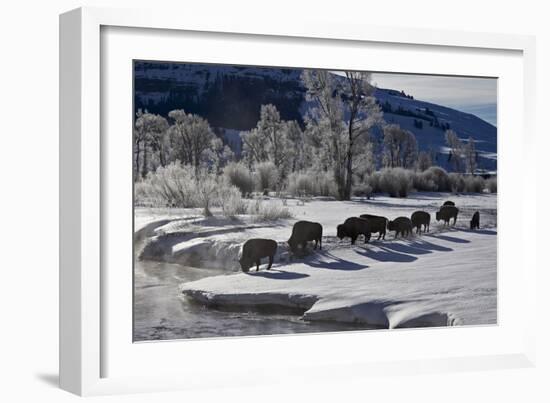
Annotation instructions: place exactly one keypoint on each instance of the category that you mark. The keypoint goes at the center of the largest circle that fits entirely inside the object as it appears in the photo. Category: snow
(432, 280)
(446, 277)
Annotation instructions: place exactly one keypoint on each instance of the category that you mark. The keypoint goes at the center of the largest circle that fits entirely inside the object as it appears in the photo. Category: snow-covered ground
(446, 277)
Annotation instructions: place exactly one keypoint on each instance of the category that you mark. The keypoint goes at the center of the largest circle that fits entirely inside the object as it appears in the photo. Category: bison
(376, 224)
(256, 249)
(474, 222)
(353, 227)
(304, 231)
(449, 203)
(419, 219)
(401, 225)
(445, 213)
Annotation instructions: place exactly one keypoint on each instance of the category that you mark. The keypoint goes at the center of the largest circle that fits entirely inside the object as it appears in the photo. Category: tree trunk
(162, 158)
(349, 157)
(138, 152)
(144, 170)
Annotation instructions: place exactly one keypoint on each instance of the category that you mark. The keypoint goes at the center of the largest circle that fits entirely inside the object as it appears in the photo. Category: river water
(161, 313)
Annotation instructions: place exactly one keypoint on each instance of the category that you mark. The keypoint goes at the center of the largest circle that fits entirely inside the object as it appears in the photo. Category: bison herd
(366, 224)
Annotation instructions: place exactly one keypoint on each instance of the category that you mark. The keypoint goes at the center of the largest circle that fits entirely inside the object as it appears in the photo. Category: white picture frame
(86, 311)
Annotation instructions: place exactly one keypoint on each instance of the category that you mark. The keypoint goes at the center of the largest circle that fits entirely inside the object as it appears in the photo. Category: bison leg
(320, 243)
(454, 222)
(258, 264)
(316, 243)
(270, 262)
(353, 238)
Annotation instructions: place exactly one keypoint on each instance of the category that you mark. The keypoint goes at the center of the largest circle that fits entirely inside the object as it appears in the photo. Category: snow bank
(447, 277)
(434, 280)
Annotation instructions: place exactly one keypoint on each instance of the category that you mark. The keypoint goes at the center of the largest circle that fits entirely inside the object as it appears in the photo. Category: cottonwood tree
(424, 161)
(470, 155)
(297, 153)
(346, 110)
(364, 114)
(191, 136)
(269, 140)
(456, 150)
(400, 147)
(149, 133)
(325, 120)
(253, 147)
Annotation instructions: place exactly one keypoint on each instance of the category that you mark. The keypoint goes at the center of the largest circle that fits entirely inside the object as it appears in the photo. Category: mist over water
(161, 313)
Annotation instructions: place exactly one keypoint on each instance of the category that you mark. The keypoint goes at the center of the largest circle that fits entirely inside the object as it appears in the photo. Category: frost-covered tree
(470, 155)
(297, 153)
(269, 140)
(364, 114)
(217, 155)
(149, 134)
(456, 149)
(191, 136)
(400, 147)
(345, 111)
(253, 147)
(424, 161)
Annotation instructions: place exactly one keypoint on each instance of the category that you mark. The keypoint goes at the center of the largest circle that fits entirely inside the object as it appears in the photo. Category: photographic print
(283, 200)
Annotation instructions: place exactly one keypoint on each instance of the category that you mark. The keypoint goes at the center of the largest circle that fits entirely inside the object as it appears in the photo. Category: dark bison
(304, 231)
(419, 219)
(353, 227)
(474, 222)
(401, 225)
(376, 224)
(256, 249)
(449, 203)
(445, 213)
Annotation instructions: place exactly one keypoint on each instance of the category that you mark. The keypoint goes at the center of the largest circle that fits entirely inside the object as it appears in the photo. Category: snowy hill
(229, 97)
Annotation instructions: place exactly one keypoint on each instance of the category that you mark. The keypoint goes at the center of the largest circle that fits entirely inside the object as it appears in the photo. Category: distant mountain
(229, 97)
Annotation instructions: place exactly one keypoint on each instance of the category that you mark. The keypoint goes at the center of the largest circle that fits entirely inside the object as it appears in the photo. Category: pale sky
(473, 95)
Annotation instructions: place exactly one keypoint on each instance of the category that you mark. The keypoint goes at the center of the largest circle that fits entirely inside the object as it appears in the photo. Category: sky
(477, 96)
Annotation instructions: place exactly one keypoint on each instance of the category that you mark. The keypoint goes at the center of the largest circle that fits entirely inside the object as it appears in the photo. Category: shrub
(180, 186)
(362, 190)
(436, 178)
(311, 183)
(145, 196)
(173, 185)
(373, 181)
(268, 211)
(397, 182)
(240, 176)
(232, 203)
(267, 176)
(491, 184)
(457, 182)
(422, 182)
(474, 184)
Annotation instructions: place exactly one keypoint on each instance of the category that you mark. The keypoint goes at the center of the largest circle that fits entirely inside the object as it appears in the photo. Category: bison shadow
(386, 255)
(277, 274)
(417, 246)
(479, 231)
(335, 264)
(449, 238)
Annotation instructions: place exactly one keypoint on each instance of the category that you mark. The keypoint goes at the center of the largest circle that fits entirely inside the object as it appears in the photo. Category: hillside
(229, 97)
